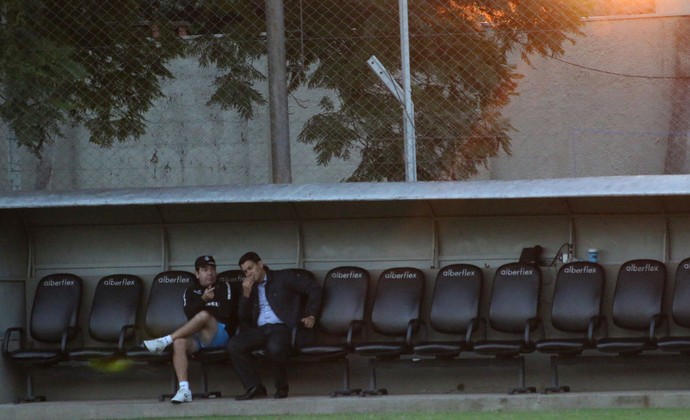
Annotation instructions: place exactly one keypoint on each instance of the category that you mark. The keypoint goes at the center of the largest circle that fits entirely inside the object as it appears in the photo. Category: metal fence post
(277, 91)
(408, 107)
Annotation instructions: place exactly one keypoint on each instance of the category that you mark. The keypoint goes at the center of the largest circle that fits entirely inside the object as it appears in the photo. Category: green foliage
(82, 62)
(460, 70)
(229, 37)
(234, 89)
(100, 63)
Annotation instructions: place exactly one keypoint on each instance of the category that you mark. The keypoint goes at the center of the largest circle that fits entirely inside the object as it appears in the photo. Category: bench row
(394, 316)
(513, 327)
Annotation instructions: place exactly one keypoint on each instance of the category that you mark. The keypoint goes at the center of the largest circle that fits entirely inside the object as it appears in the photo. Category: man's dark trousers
(275, 339)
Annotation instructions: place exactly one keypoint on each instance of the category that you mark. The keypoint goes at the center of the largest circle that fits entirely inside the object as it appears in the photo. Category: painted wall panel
(275, 242)
(620, 238)
(84, 249)
(372, 243)
(498, 240)
(679, 238)
(14, 247)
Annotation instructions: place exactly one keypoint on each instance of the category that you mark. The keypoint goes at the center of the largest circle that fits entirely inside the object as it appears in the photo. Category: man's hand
(309, 321)
(209, 293)
(247, 285)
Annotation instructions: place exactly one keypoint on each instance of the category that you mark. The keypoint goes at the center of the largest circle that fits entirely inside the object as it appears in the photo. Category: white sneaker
(182, 396)
(157, 345)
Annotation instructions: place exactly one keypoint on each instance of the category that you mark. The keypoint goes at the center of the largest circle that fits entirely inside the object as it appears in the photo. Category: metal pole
(14, 168)
(277, 92)
(408, 107)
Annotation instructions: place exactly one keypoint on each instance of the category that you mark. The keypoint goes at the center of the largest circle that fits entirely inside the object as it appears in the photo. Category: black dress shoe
(253, 392)
(281, 392)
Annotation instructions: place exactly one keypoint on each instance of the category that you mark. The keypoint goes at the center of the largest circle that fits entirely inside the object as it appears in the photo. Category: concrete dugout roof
(648, 194)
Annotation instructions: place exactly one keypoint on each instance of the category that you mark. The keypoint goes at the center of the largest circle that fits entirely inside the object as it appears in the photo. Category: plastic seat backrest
(304, 273)
(165, 312)
(639, 293)
(115, 304)
(514, 297)
(234, 278)
(343, 298)
(55, 307)
(397, 301)
(680, 307)
(455, 302)
(577, 296)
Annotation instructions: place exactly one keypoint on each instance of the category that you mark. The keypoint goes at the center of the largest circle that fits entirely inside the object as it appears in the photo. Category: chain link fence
(152, 93)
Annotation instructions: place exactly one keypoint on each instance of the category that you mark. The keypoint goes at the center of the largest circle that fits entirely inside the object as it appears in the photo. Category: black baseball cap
(203, 261)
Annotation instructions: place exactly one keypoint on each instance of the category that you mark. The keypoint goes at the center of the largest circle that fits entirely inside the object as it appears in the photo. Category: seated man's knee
(204, 316)
(277, 350)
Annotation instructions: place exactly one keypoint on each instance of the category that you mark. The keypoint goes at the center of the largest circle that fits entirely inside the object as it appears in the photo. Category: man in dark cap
(208, 305)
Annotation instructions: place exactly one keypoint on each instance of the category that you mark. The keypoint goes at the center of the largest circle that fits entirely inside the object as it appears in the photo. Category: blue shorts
(219, 340)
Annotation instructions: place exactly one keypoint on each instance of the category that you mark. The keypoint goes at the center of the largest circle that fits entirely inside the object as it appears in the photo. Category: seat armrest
(356, 327)
(8, 337)
(124, 334)
(70, 334)
(596, 323)
(533, 324)
(475, 325)
(302, 336)
(603, 324)
(658, 321)
(293, 337)
(412, 328)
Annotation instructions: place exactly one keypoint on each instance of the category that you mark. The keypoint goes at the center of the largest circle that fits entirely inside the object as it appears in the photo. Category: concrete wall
(672, 6)
(604, 108)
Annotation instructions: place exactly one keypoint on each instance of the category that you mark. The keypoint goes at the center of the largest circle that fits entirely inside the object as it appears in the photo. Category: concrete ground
(418, 403)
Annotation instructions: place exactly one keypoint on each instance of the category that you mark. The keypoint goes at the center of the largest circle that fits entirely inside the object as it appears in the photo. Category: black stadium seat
(513, 310)
(112, 319)
(680, 312)
(343, 300)
(218, 355)
(575, 312)
(454, 311)
(637, 307)
(636, 312)
(164, 314)
(395, 314)
(53, 321)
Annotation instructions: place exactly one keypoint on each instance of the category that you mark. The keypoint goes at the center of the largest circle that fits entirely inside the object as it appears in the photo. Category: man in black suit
(269, 309)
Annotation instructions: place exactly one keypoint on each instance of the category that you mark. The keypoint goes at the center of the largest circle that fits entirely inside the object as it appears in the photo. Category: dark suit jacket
(286, 291)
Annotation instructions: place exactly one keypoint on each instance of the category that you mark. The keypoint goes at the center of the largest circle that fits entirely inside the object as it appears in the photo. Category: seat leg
(373, 390)
(555, 388)
(521, 389)
(204, 384)
(346, 382)
(30, 397)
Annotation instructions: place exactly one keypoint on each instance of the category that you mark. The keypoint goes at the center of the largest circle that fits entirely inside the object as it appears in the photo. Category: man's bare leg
(202, 323)
(184, 344)
(181, 348)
